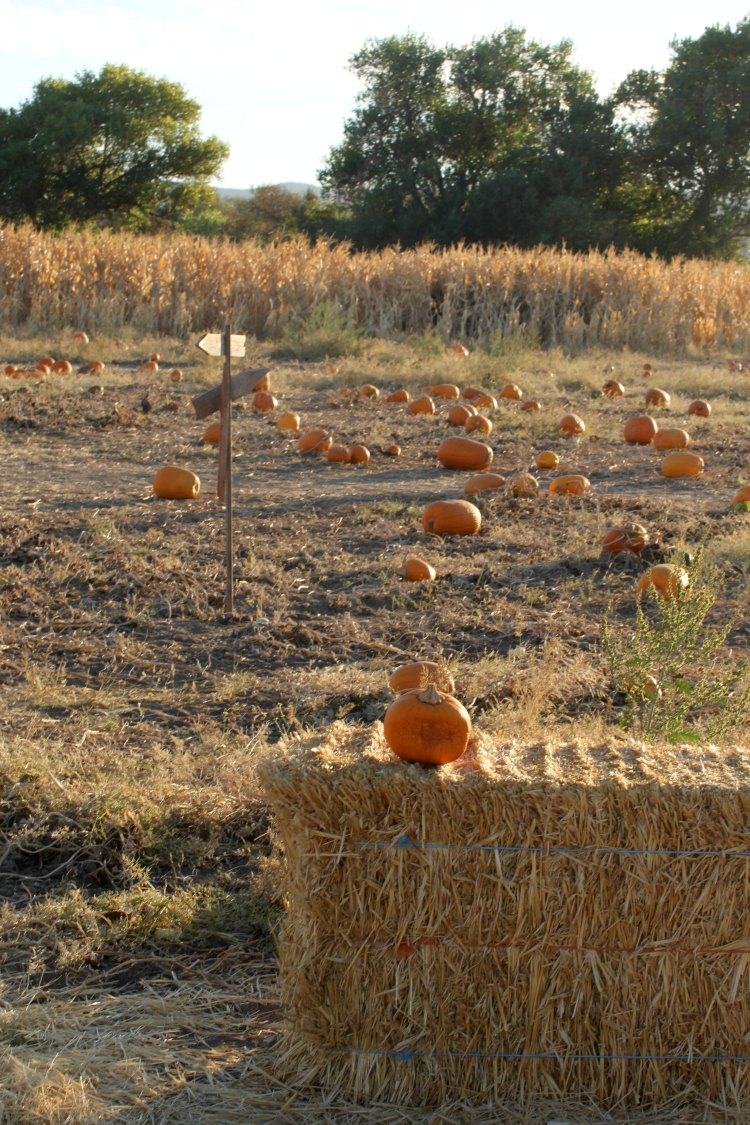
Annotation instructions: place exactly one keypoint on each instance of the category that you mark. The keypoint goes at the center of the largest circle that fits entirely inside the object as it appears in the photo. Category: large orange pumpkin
(314, 441)
(401, 395)
(263, 402)
(512, 391)
(452, 517)
(173, 483)
(464, 453)
(700, 408)
(427, 726)
(479, 422)
(445, 390)
(359, 454)
(338, 454)
(640, 430)
(485, 402)
(460, 414)
(421, 405)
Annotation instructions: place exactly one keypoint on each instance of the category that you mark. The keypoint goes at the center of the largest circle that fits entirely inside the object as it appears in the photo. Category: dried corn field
(181, 284)
(139, 871)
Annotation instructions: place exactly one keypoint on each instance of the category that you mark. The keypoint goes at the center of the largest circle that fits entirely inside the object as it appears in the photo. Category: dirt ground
(114, 647)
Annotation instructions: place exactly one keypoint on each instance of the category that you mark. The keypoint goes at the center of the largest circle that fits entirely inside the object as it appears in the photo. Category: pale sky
(273, 79)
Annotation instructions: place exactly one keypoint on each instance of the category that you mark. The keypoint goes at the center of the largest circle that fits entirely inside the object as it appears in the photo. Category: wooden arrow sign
(240, 385)
(213, 344)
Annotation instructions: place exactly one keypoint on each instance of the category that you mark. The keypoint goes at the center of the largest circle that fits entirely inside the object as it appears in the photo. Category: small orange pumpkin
(571, 426)
(391, 450)
(485, 402)
(173, 483)
(263, 384)
(421, 405)
(427, 726)
(459, 350)
(615, 541)
(480, 423)
(681, 463)
(613, 389)
(570, 484)
(452, 517)
(445, 390)
(419, 675)
(671, 439)
(401, 395)
(369, 391)
(640, 430)
(464, 453)
(176, 375)
(416, 569)
(655, 396)
(288, 423)
(62, 367)
(667, 579)
(80, 337)
(531, 404)
(547, 459)
(212, 435)
(263, 402)
(472, 393)
(150, 365)
(359, 454)
(314, 441)
(460, 414)
(483, 482)
(338, 453)
(700, 408)
(511, 390)
(95, 367)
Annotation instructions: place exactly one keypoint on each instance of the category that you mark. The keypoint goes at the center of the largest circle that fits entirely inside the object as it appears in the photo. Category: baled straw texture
(420, 974)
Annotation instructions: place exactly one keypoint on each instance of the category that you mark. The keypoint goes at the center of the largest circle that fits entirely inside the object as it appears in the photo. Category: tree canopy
(118, 147)
(506, 140)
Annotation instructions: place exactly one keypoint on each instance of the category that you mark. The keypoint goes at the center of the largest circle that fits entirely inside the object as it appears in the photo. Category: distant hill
(246, 193)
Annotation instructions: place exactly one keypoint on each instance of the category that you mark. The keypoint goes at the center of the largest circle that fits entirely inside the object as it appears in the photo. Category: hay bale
(541, 939)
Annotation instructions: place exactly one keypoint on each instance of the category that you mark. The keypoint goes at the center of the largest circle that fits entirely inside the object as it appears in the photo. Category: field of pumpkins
(384, 513)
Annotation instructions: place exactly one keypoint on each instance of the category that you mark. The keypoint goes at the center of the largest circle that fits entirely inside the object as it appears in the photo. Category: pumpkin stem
(430, 695)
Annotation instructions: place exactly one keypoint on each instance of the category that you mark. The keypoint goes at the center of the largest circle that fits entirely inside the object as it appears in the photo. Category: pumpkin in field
(359, 454)
(667, 579)
(427, 726)
(150, 365)
(369, 391)
(530, 404)
(681, 463)
(700, 408)
(460, 414)
(96, 366)
(570, 484)
(288, 423)
(547, 459)
(263, 384)
(464, 453)
(263, 402)
(391, 450)
(314, 441)
(571, 426)
(646, 687)
(741, 501)
(483, 482)
(512, 391)
(401, 395)
(339, 454)
(421, 405)
(212, 435)
(421, 674)
(62, 367)
(632, 538)
(80, 337)
(173, 483)
(613, 389)
(471, 393)
(176, 375)
(479, 423)
(452, 517)
(655, 396)
(445, 390)
(523, 485)
(640, 430)
(416, 569)
(485, 402)
(459, 350)
(671, 439)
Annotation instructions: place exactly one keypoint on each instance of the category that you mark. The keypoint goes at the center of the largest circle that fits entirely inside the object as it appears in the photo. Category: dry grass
(133, 834)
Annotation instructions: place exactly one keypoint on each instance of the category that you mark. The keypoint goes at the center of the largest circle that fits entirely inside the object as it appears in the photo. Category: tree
(446, 144)
(689, 131)
(119, 148)
(274, 212)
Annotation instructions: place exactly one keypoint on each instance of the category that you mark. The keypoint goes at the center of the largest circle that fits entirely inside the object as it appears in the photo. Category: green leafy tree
(688, 186)
(119, 148)
(473, 143)
(274, 212)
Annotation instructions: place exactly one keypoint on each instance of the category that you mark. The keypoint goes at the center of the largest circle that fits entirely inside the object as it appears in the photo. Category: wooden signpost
(221, 398)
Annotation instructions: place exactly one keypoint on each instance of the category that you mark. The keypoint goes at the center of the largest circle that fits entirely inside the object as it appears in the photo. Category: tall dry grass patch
(178, 284)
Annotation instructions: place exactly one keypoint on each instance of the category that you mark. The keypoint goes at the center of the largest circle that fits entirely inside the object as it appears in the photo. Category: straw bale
(411, 974)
